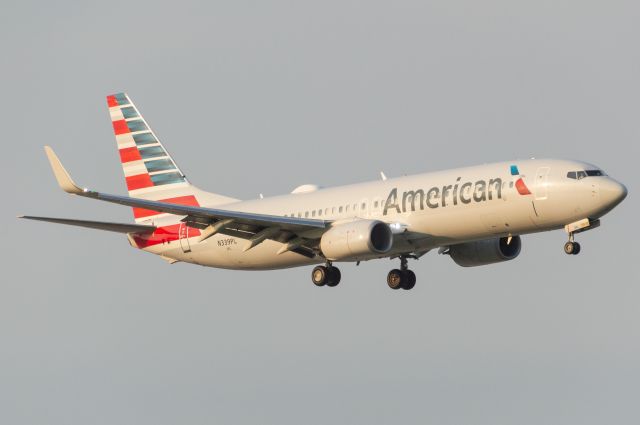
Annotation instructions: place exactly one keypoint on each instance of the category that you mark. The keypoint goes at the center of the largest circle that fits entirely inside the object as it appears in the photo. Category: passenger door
(541, 183)
(541, 192)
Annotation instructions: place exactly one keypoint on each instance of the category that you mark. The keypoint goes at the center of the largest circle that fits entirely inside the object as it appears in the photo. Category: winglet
(62, 176)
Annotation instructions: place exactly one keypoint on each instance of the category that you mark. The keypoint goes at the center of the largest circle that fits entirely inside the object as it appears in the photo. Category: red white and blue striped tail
(149, 170)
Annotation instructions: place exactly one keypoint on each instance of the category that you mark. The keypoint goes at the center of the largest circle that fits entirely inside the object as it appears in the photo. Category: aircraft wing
(238, 217)
(262, 226)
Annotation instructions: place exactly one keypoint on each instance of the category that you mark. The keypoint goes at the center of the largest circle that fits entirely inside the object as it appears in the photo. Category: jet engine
(487, 251)
(356, 240)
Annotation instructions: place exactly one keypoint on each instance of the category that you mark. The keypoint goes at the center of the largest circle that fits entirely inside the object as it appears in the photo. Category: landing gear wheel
(334, 276)
(395, 279)
(570, 248)
(319, 275)
(576, 248)
(408, 280)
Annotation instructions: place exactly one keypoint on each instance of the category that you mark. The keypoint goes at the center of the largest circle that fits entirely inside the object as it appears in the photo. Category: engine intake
(487, 251)
(356, 240)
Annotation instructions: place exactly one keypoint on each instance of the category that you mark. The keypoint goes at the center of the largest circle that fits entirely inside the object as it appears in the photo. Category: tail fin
(149, 170)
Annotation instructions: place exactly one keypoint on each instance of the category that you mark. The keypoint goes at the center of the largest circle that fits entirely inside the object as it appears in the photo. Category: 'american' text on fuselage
(443, 196)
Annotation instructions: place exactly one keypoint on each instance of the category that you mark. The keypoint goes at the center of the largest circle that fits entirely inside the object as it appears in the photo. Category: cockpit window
(595, 173)
(578, 175)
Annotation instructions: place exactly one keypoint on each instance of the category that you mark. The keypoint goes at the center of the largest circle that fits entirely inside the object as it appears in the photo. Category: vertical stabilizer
(149, 171)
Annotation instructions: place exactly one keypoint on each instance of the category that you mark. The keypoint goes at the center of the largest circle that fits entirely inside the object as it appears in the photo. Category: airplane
(475, 215)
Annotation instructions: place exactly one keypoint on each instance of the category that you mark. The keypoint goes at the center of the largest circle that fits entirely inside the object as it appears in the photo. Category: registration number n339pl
(227, 242)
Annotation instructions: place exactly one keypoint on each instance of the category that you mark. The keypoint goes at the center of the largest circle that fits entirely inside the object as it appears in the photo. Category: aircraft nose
(612, 192)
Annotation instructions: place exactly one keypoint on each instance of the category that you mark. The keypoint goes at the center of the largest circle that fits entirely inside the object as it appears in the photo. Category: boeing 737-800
(475, 215)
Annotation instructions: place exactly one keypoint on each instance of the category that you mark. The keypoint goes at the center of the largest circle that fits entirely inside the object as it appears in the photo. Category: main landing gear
(403, 278)
(326, 275)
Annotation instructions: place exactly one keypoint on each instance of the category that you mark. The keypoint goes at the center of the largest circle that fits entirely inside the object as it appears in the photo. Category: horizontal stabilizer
(100, 225)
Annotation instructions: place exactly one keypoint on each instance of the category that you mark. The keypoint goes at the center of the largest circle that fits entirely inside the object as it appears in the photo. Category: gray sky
(254, 97)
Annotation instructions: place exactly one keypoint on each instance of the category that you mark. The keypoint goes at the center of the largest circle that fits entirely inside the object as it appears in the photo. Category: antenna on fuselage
(382, 176)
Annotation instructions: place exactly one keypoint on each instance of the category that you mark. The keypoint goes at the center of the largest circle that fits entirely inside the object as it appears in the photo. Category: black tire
(319, 275)
(408, 280)
(569, 248)
(576, 248)
(395, 279)
(334, 276)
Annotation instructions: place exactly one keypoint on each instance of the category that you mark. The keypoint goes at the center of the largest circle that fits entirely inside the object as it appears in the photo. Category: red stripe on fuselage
(164, 235)
(129, 154)
(138, 182)
(522, 188)
(120, 127)
(189, 200)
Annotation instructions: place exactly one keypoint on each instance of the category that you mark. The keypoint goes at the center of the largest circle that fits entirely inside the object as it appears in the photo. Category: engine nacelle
(356, 240)
(486, 251)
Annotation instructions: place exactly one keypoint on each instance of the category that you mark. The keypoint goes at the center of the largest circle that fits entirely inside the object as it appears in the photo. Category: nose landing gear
(571, 247)
(403, 278)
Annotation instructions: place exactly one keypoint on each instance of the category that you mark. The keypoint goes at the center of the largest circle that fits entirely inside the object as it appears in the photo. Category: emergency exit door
(184, 237)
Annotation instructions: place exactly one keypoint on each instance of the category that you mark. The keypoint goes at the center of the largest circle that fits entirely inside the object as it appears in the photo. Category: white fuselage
(429, 210)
